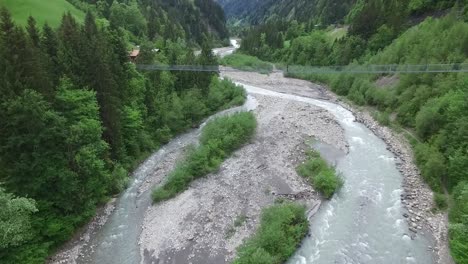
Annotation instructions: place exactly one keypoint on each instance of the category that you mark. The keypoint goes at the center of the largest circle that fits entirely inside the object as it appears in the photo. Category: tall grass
(282, 228)
(219, 139)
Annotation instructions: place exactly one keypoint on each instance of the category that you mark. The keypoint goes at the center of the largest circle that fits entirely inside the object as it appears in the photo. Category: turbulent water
(363, 223)
(117, 241)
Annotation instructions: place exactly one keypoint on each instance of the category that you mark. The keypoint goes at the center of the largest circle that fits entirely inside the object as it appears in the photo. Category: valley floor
(198, 225)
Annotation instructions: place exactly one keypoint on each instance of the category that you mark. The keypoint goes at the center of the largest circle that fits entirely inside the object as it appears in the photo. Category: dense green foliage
(373, 25)
(246, 63)
(15, 219)
(191, 20)
(459, 224)
(49, 11)
(219, 139)
(281, 230)
(321, 175)
(76, 116)
(311, 11)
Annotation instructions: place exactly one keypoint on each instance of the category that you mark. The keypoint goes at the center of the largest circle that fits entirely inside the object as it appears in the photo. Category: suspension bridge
(299, 69)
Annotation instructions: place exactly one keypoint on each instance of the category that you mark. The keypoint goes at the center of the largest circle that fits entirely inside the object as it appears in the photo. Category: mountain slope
(319, 11)
(199, 18)
(49, 11)
(192, 20)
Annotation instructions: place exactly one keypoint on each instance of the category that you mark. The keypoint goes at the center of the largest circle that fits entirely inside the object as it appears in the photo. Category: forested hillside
(433, 106)
(192, 20)
(76, 117)
(313, 11)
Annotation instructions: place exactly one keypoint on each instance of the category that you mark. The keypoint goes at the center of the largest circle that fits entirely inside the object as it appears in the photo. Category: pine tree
(33, 32)
(49, 47)
(97, 61)
(70, 52)
(206, 58)
(20, 66)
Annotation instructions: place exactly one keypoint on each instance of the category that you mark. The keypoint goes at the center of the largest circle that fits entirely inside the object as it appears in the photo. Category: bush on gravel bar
(282, 228)
(321, 175)
(219, 139)
(247, 63)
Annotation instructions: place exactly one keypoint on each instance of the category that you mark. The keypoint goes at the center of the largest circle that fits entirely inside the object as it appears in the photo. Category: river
(363, 223)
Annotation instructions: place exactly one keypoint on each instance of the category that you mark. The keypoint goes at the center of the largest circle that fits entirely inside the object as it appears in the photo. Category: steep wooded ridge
(76, 116)
(259, 11)
(193, 21)
(432, 106)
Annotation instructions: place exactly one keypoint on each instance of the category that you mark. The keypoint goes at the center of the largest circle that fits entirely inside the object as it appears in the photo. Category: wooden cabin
(134, 55)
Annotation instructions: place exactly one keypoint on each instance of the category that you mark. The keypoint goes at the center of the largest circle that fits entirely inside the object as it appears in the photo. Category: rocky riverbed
(198, 225)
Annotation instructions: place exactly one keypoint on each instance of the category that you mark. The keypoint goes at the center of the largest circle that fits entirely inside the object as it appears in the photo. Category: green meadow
(49, 11)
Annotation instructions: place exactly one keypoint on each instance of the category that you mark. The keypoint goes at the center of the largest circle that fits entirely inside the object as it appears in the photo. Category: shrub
(120, 179)
(282, 227)
(440, 201)
(246, 63)
(224, 94)
(383, 118)
(219, 139)
(432, 164)
(240, 219)
(322, 176)
(459, 224)
(458, 242)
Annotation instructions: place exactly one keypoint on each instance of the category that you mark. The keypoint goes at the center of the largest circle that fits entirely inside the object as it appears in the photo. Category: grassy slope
(49, 11)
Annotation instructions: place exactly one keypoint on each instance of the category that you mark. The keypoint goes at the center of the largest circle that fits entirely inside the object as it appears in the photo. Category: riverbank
(197, 226)
(416, 196)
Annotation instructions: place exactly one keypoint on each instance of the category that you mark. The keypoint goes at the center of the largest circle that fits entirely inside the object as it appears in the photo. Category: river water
(363, 223)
